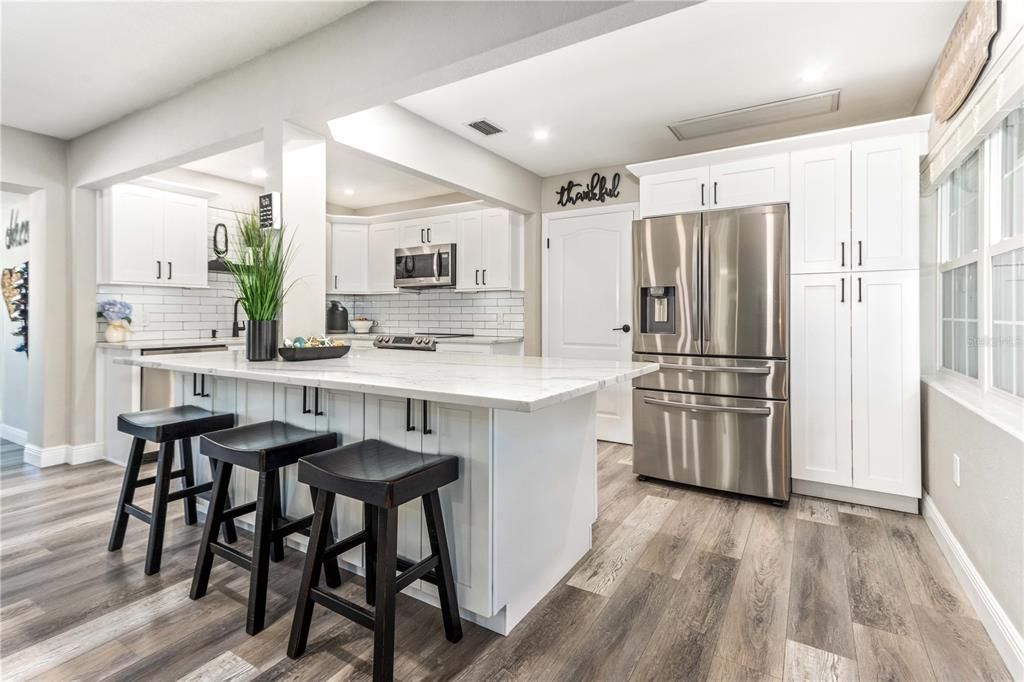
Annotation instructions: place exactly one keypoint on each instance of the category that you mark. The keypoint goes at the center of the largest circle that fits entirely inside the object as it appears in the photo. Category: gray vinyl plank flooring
(681, 584)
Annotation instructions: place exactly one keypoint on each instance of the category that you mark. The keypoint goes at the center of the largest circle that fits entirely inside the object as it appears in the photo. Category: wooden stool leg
(386, 523)
(131, 475)
(162, 487)
(446, 583)
(370, 553)
(190, 480)
(277, 548)
(319, 538)
(262, 541)
(214, 518)
(228, 526)
(332, 571)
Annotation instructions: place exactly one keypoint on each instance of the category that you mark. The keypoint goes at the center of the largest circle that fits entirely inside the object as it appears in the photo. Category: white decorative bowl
(361, 326)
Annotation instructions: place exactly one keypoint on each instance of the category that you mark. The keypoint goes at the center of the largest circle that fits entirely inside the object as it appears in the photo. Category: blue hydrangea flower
(113, 310)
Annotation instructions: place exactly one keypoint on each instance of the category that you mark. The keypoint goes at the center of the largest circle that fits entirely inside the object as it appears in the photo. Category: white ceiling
(372, 182)
(608, 100)
(70, 67)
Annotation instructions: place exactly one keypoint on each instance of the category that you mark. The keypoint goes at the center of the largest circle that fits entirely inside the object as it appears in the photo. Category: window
(1008, 321)
(1013, 175)
(962, 218)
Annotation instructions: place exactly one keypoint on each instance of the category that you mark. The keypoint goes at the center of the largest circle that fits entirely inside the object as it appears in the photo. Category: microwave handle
(437, 265)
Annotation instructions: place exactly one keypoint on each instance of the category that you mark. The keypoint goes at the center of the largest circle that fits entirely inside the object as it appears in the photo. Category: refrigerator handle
(694, 407)
(705, 288)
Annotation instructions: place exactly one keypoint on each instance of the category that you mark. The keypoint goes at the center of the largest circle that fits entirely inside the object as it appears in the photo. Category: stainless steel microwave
(422, 267)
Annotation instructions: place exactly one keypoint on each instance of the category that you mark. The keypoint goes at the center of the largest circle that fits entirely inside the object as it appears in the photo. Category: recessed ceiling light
(813, 74)
(541, 135)
(259, 173)
(349, 191)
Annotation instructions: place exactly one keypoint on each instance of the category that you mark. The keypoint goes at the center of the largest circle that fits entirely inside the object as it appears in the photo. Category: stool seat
(378, 473)
(173, 423)
(265, 446)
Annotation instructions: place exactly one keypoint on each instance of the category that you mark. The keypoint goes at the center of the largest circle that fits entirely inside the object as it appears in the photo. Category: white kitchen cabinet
(886, 196)
(433, 230)
(348, 272)
(489, 251)
(749, 182)
(153, 237)
(383, 240)
(682, 191)
(886, 382)
(819, 381)
(819, 210)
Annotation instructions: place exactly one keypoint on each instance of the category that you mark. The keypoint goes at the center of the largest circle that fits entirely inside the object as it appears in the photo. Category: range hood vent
(762, 114)
(485, 127)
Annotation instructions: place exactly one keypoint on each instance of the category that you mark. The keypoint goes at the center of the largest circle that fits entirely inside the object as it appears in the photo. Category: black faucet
(237, 326)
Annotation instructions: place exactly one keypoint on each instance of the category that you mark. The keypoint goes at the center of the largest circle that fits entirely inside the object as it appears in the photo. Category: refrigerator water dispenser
(657, 310)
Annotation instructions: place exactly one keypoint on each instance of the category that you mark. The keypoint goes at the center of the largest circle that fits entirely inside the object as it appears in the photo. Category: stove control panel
(396, 342)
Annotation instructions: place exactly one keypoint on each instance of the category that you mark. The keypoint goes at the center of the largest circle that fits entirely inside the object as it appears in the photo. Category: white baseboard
(62, 454)
(1008, 641)
(19, 436)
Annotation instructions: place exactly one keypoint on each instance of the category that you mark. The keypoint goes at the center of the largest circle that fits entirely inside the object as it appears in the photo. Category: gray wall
(13, 365)
(986, 513)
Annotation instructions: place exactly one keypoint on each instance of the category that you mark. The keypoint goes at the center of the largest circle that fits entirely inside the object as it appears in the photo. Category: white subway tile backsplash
(486, 313)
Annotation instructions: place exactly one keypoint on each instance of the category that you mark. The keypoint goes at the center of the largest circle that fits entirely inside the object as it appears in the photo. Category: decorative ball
(288, 343)
(299, 342)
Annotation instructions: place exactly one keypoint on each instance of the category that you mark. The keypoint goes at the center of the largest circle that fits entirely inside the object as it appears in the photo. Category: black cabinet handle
(428, 235)
(623, 328)
(202, 387)
(159, 269)
(483, 277)
(702, 194)
(316, 403)
(842, 254)
(714, 199)
(426, 424)
(476, 278)
(170, 271)
(195, 384)
(860, 252)
(305, 402)
(842, 290)
(408, 415)
(423, 239)
(860, 297)
(335, 281)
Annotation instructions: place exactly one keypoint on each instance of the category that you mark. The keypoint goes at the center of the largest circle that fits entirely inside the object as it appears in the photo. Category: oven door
(419, 267)
(735, 444)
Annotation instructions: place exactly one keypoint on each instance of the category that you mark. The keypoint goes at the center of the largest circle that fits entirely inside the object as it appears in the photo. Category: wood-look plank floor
(682, 584)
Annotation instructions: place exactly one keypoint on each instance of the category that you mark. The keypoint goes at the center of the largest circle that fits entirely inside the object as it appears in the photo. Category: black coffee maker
(337, 318)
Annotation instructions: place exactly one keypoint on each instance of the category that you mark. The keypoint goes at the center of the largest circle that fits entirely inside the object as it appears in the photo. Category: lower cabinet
(854, 386)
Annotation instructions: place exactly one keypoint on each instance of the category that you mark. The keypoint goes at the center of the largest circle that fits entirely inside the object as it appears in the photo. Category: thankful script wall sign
(964, 56)
(598, 189)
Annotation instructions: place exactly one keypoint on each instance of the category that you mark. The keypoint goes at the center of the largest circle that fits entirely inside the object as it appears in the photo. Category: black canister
(337, 317)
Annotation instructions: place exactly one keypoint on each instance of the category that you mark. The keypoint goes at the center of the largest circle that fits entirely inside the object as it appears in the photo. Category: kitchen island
(520, 515)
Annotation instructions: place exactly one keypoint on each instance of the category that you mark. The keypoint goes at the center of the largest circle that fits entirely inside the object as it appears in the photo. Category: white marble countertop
(229, 341)
(474, 340)
(522, 384)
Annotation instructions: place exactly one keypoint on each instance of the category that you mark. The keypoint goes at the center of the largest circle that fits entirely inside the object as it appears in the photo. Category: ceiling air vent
(762, 114)
(485, 127)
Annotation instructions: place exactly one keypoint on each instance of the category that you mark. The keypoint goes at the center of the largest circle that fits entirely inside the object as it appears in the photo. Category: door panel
(381, 271)
(468, 252)
(820, 210)
(349, 258)
(136, 235)
(746, 275)
(184, 240)
(750, 182)
(442, 229)
(682, 191)
(587, 296)
(886, 204)
(666, 259)
(886, 383)
(820, 391)
(495, 261)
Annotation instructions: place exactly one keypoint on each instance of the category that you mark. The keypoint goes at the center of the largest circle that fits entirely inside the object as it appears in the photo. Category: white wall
(13, 365)
(629, 188)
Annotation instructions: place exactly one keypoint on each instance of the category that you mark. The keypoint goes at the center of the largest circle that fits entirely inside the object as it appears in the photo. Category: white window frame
(990, 244)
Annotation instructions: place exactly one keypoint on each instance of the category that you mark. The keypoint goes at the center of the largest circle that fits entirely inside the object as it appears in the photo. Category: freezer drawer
(735, 444)
(716, 376)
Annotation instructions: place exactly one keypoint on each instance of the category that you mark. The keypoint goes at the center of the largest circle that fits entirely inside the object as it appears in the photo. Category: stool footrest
(150, 480)
(417, 571)
(232, 555)
(296, 526)
(189, 492)
(345, 544)
(240, 510)
(343, 607)
(406, 566)
(139, 513)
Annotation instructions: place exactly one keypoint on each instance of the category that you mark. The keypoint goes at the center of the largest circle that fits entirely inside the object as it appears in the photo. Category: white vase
(116, 332)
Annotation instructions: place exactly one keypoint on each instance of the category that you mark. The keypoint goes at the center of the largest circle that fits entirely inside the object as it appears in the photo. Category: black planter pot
(261, 340)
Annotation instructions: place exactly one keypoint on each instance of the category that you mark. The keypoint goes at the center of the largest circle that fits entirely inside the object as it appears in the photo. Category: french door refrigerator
(711, 309)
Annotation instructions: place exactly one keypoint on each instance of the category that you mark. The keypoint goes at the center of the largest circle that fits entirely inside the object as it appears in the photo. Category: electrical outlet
(956, 470)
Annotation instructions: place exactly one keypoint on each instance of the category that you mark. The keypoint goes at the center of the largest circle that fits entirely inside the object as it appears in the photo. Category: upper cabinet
(819, 215)
(383, 240)
(748, 182)
(348, 270)
(153, 237)
(886, 199)
(489, 251)
(433, 230)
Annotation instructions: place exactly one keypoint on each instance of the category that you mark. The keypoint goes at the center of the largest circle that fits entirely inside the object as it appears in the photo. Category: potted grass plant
(259, 274)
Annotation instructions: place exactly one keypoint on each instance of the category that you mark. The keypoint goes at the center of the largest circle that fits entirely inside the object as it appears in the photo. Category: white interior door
(588, 286)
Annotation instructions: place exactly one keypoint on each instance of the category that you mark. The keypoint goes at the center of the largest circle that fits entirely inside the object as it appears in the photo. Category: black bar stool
(163, 426)
(383, 477)
(264, 447)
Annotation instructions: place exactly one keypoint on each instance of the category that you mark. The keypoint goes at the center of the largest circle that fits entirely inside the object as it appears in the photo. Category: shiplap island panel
(524, 429)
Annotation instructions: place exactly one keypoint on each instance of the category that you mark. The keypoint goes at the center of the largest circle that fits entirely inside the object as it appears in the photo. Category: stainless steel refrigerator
(711, 308)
